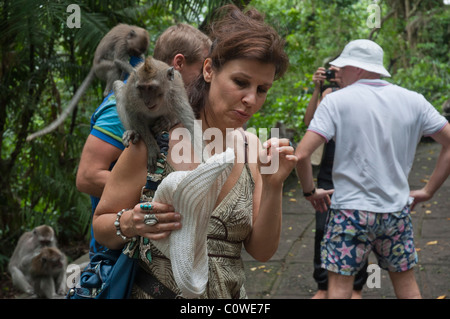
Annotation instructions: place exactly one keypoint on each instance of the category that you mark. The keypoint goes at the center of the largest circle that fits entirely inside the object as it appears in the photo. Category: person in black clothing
(324, 180)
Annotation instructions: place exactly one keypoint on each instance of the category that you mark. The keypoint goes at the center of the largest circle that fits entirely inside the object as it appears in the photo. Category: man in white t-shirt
(376, 126)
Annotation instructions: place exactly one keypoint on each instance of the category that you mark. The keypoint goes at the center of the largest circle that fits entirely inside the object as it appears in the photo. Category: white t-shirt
(376, 126)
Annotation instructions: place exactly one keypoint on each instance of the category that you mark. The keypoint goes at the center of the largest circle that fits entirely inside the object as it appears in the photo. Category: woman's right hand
(167, 221)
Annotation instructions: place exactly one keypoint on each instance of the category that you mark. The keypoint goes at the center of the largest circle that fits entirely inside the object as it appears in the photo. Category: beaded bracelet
(117, 225)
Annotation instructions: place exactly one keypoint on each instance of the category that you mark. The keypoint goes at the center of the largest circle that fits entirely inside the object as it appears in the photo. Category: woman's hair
(181, 38)
(237, 34)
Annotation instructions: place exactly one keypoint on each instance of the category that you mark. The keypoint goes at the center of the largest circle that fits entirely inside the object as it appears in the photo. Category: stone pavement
(288, 275)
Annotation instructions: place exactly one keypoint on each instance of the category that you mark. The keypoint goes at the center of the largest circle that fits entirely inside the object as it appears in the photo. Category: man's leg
(320, 275)
(405, 285)
(340, 286)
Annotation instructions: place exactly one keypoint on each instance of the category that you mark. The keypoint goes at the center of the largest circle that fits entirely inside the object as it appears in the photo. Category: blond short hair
(181, 38)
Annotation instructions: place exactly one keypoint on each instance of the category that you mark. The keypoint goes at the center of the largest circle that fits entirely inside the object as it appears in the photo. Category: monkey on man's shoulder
(154, 98)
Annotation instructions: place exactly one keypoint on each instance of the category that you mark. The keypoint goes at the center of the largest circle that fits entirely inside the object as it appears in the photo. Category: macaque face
(152, 95)
(44, 235)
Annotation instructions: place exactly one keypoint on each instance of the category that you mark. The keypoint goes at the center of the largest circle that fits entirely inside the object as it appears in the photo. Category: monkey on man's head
(111, 61)
(154, 97)
(113, 53)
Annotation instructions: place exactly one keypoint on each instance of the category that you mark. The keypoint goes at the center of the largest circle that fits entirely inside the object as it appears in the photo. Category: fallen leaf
(418, 249)
(434, 242)
(428, 212)
(442, 297)
(292, 200)
(424, 180)
(253, 269)
(261, 267)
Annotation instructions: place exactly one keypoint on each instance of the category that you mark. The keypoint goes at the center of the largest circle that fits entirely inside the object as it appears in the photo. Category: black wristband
(310, 193)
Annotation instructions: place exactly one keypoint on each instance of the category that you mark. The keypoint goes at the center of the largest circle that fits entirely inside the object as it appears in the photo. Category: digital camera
(329, 74)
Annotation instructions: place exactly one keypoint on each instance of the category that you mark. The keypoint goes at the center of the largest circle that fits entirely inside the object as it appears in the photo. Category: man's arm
(440, 172)
(93, 170)
(309, 143)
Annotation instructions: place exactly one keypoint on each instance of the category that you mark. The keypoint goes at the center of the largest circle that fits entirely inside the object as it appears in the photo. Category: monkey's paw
(152, 163)
(130, 135)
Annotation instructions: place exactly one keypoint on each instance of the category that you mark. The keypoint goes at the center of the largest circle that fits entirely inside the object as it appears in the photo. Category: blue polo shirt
(106, 125)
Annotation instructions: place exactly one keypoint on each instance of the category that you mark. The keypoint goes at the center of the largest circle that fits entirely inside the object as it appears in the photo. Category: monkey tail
(76, 98)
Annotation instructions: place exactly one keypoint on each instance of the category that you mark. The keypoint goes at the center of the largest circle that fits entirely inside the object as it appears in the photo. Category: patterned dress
(229, 226)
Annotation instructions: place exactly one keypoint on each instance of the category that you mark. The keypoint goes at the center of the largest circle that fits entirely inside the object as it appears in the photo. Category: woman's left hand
(276, 160)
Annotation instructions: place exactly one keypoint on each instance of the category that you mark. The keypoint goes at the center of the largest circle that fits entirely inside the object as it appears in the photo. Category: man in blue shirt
(182, 46)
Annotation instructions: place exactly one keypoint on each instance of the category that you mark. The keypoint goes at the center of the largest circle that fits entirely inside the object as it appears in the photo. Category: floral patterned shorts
(351, 235)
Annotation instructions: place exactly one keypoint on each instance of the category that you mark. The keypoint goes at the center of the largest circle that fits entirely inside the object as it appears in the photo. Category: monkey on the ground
(29, 245)
(110, 63)
(154, 97)
(48, 273)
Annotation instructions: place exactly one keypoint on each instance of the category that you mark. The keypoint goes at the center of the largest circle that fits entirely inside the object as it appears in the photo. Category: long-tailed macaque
(111, 61)
(48, 273)
(114, 51)
(153, 97)
(29, 245)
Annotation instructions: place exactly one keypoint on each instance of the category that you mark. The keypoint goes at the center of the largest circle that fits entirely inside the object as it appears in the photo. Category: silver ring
(150, 219)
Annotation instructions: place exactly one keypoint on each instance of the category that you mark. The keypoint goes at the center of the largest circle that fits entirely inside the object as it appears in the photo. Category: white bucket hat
(364, 54)
(193, 194)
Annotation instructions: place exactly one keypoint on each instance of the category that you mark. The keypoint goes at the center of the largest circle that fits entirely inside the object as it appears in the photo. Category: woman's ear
(207, 70)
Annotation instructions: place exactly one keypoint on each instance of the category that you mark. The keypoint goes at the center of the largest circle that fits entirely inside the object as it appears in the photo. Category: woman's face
(237, 91)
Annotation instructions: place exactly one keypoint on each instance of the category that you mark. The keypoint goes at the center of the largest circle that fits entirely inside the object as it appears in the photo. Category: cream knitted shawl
(193, 194)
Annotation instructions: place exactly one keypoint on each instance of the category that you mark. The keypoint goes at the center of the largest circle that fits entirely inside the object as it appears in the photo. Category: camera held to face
(329, 74)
